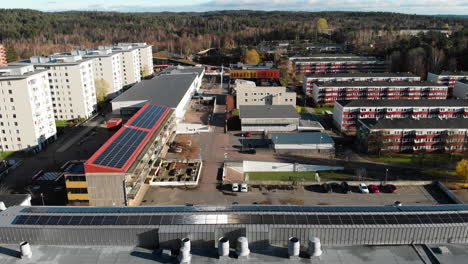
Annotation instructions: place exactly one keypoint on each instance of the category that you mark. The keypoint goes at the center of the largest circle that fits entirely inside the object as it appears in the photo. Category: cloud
(401, 6)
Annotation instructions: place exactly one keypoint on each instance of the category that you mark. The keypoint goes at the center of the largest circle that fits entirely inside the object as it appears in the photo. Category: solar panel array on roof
(277, 219)
(149, 117)
(120, 150)
(241, 208)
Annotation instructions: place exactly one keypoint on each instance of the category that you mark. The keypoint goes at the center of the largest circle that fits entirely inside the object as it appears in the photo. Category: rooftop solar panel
(149, 117)
(209, 219)
(120, 150)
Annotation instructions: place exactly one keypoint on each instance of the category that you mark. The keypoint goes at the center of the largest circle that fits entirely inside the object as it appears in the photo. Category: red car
(247, 134)
(373, 188)
(389, 188)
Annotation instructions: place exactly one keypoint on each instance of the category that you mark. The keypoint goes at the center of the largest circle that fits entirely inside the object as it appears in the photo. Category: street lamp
(386, 175)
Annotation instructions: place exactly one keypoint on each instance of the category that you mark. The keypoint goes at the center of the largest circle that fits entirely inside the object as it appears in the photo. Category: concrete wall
(338, 116)
(106, 189)
(460, 91)
(265, 96)
(328, 152)
(186, 128)
(252, 166)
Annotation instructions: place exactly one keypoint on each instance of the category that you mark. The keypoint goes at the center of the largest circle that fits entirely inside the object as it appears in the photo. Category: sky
(430, 7)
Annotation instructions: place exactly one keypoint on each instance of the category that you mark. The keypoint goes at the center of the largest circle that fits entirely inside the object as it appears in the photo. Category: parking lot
(407, 195)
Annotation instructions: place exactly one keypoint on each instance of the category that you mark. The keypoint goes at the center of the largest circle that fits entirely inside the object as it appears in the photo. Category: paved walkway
(90, 125)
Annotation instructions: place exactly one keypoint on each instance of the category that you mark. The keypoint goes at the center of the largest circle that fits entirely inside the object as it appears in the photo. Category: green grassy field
(321, 110)
(435, 158)
(6, 154)
(301, 110)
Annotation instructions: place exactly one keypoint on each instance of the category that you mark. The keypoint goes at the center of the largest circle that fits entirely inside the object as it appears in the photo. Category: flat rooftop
(361, 74)
(405, 103)
(381, 84)
(428, 123)
(166, 89)
(301, 138)
(268, 111)
(43, 254)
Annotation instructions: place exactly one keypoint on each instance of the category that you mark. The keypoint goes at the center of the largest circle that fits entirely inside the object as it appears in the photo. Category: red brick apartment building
(337, 63)
(347, 113)
(412, 136)
(309, 80)
(447, 78)
(328, 93)
(3, 61)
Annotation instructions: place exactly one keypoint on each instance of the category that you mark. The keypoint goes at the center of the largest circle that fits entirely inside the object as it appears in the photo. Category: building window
(11, 100)
(10, 92)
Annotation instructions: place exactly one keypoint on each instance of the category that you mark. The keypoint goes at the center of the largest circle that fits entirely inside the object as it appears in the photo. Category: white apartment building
(248, 95)
(146, 57)
(26, 112)
(131, 64)
(107, 66)
(71, 80)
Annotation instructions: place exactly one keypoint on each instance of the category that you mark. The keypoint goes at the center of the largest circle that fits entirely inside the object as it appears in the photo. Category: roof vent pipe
(184, 255)
(2, 206)
(223, 247)
(242, 247)
(293, 247)
(315, 248)
(25, 250)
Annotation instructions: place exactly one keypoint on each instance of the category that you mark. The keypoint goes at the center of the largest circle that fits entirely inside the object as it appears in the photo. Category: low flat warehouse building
(303, 144)
(309, 80)
(413, 136)
(328, 93)
(347, 113)
(267, 118)
(172, 88)
(119, 172)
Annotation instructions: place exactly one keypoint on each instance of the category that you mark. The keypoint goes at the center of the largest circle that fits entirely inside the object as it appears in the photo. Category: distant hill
(34, 32)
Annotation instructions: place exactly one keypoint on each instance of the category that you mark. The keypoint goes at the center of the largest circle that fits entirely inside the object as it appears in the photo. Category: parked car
(244, 187)
(247, 134)
(373, 188)
(335, 186)
(235, 187)
(389, 188)
(363, 188)
(248, 151)
(345, 187)
(326, 187)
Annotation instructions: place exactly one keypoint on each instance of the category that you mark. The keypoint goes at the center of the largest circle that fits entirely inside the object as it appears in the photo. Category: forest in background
(33, 32)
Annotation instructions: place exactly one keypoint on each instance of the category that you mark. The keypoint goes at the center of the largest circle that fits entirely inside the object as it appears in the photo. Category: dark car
(335, 186)
(389, 188)
(248, 151)
(345, 187)
(326, 187)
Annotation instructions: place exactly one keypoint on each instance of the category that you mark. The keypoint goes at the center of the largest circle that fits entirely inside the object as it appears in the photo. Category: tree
(252, 57)
(11, 54)
(322, 25)
(376, 143)
(462, 169)
(145, 71)
(102, 89)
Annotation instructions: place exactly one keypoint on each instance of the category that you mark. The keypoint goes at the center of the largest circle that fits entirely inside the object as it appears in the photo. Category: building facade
(269, 118)
(328, 93)
(250, 71)
(3, 60)
(309, 80)
(107, 66)
(413, 136)
(337, 63)
(347, 113)
(258, 95)
(460, 91)
(117, 173)
(71, 80)
(26, 113)
(303, 144)
(130, 63)
(447, 78)
(145, 53)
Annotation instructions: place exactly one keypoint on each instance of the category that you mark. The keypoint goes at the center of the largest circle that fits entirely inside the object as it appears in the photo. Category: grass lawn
(6, 154)
(301, 110)
(321, 110)
(297, 176)
(62, 123)
(434, 158)
(235, 112)
(281, 176)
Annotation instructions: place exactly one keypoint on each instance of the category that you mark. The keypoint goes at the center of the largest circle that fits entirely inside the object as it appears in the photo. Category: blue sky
(457, 7)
